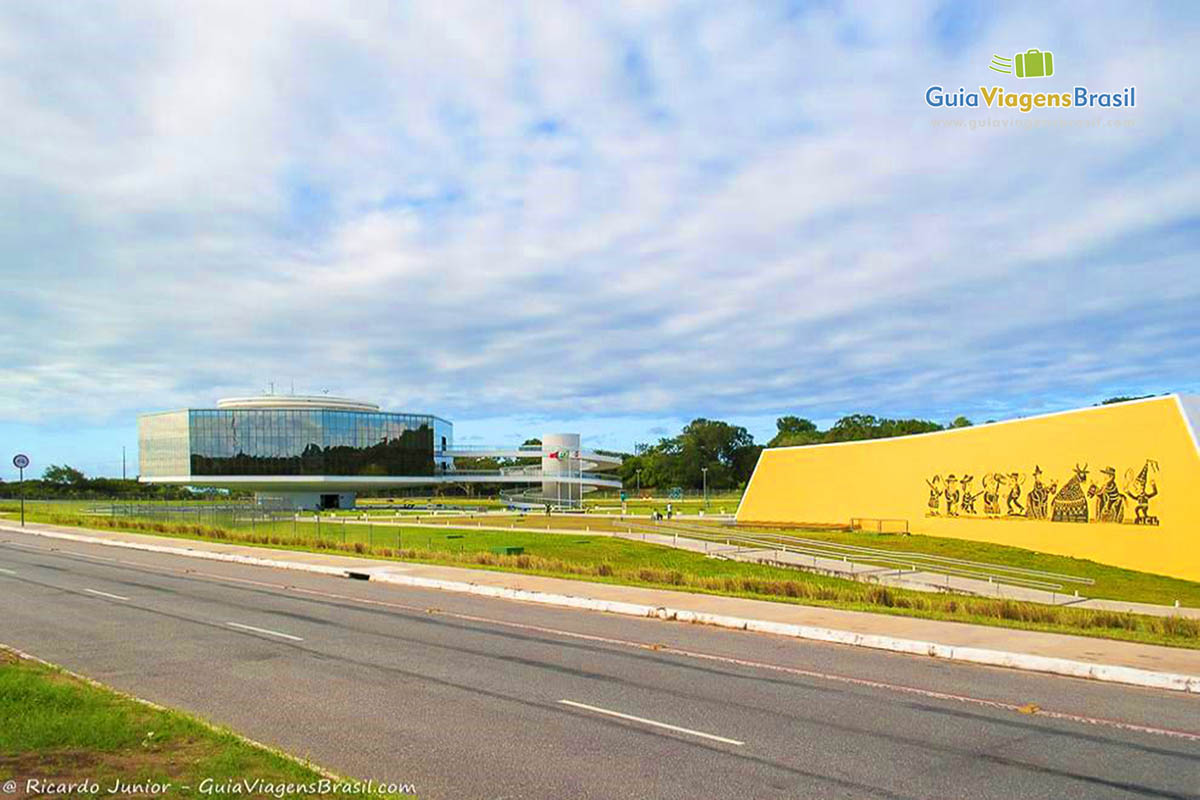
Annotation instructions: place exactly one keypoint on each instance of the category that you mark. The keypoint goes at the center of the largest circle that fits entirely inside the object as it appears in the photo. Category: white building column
(560, 457)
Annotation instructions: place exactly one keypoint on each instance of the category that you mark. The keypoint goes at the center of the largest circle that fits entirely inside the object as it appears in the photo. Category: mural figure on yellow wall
(968, 499)
(1110, 503)
(952, 495)
(1070, 504)
(1140, 488)
(935, 495)
(991, 494)
(1013, 501)
(1044, 499)
(1039, 496)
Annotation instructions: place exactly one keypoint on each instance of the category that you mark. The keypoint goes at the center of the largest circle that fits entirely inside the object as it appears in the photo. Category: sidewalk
(1107, 659)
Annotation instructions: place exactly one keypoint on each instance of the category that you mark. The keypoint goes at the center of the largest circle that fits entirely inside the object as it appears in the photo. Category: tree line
(64, 482)
(730, 453)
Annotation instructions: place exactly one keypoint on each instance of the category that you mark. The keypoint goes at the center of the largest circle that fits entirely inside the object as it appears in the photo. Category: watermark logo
(1033, 63)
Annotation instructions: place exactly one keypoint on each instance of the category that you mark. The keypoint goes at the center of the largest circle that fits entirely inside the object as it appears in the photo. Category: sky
(609, 217)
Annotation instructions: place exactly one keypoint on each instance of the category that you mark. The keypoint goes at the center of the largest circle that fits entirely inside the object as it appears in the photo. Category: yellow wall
(887, 478)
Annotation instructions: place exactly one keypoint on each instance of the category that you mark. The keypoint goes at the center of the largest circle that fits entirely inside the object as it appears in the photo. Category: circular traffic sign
(20, 461)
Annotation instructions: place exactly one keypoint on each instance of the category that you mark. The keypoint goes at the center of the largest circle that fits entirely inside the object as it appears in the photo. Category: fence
(274, 525)
(900, 560)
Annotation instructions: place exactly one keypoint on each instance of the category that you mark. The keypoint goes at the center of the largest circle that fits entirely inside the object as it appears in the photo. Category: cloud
(639, 212)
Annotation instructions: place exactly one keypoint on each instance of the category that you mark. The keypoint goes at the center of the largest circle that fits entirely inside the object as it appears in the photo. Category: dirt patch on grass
(160, 762)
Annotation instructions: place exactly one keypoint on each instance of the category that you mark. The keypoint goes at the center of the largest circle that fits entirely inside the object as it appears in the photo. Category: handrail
(538, 476)
(1001, 573)
(533, 449)
(527, 451)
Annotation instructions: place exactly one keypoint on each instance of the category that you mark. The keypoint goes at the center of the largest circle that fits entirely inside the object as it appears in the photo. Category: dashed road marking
(109, 595)
(652, 722)
(267, 631)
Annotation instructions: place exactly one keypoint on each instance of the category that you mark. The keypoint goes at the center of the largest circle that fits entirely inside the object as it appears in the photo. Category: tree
(794, 431)
(728, 451)
(63, 476)
(865, 426)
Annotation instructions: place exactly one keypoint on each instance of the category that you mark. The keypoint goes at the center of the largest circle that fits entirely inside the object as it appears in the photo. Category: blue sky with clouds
(606, 217)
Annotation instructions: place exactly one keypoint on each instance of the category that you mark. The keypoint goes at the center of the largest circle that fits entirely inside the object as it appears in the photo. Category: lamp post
(704, 471)
(639, 482)
(21, 461)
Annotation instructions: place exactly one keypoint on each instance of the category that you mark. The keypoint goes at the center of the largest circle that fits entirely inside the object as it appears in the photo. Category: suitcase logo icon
(1033, 63)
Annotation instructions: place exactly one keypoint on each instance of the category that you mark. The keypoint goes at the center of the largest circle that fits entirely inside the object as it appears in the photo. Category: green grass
(724, 503)
(599, 558)
(57, 728)
(1113, 583)
(482, 501)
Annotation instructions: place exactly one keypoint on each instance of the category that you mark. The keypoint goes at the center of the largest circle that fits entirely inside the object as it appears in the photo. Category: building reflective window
(302, 442)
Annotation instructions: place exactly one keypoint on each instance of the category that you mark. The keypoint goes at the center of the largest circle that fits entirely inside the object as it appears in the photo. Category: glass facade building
(320, 452)
(291, 442)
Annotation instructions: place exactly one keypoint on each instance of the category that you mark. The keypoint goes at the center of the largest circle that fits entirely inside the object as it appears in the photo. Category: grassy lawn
(724, 503)
(481, 501)
(594, 557)
(1112, 583)
(60, 730)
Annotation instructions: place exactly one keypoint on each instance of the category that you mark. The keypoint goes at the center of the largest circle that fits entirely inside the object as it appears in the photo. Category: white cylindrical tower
(561, 459)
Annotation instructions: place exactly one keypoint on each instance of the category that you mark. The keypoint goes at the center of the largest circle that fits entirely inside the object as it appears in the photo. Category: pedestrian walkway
(1081, 649)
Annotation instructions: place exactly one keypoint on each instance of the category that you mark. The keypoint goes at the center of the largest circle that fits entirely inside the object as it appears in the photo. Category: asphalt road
(475, 698)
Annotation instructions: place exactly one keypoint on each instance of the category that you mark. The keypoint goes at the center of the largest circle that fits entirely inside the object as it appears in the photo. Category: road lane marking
(655, 723)
(933, 694)
(998, 705)
(99, 593)
(264, 630)
(7, 571)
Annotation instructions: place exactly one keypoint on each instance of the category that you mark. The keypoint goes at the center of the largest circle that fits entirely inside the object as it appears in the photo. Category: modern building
(319, 452)
(1118, 484)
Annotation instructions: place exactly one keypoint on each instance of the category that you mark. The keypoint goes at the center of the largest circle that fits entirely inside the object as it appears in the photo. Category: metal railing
(531, 449)
(900, 559)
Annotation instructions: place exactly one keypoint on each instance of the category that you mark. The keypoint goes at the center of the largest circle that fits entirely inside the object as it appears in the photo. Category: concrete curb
(1130, 676)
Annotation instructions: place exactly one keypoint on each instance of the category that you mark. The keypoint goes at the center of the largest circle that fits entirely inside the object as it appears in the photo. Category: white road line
(7, 571)
(797, 671)
(1193, 736)
(99, 593)
(264, 630)
(655, 723)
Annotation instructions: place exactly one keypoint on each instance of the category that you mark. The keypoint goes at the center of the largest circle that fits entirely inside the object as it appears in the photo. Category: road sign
(21, 461)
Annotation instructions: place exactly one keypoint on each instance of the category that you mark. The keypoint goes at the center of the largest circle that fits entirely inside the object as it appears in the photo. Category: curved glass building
(305, 450)
(318, 452)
